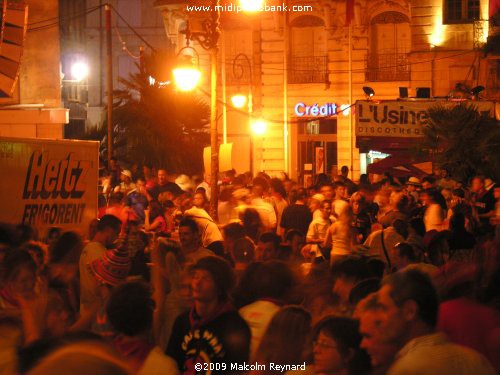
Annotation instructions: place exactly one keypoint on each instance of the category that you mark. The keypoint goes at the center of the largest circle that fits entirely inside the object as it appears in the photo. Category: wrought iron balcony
(388, 67)
(308, 69)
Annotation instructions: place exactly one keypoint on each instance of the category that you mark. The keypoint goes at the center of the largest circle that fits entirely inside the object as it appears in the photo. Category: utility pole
(109, 55)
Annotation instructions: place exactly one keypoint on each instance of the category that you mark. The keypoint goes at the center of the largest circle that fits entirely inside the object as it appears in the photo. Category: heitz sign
(315, 110)
(399, 119)
(51, 183)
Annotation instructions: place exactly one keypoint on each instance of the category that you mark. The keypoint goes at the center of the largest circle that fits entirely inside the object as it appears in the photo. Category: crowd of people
(393, 276)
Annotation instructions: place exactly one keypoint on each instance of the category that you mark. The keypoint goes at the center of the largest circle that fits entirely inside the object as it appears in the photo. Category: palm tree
(463, 141)
(153, 124)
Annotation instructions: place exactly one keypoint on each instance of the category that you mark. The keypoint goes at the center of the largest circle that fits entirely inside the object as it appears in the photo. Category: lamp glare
(238, 100)
(186, 78)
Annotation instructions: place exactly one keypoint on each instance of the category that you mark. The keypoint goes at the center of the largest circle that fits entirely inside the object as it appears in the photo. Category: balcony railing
(388, 67)
(308, 69)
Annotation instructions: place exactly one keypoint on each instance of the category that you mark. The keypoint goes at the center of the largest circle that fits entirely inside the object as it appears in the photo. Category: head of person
(326, 190)
(66, 252)
(113, 163)
(277, 187)
(212, 280)
(412, 184)
(340, 190)
(162, 177)
(259, 186)
(326, 209)
(189, 233)
(200, 199)
(52, 235)
(336, 347)
(286, 338)
(408, 303)
(295, 239)
(243, 252)
(347, 273)
(107, 230)
(357, 202)
(428, 182)
(368, 312)
(140, 185)
(267, 246)
(126, 176)
(315, 202)
(130, 309)
(405, 255)
(252, 222)
(477, 184)
(344, 171)
(39, 253)
(19, 273)
(399, 200)
(155, 209)
(232, 232)
(299, 195)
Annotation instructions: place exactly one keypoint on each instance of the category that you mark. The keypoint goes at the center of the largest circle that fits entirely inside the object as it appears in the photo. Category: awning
(400, 166)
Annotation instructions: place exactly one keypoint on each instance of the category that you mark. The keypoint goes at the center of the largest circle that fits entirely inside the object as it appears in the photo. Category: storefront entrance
(316, 148)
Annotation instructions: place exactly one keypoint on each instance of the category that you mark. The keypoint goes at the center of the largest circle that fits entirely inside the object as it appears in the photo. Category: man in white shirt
(409, 308)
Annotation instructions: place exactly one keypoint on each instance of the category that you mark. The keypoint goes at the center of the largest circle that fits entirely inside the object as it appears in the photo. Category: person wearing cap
(126, 184)
(412, 186)
(212, 333)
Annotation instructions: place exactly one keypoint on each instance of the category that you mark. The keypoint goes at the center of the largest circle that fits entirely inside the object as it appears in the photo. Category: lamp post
(208, 39)
(241, 63)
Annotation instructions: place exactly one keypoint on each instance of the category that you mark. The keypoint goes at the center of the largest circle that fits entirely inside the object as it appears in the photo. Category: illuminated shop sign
(315, 110)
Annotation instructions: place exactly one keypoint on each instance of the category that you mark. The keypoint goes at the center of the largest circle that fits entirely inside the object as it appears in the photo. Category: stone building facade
(310, 58)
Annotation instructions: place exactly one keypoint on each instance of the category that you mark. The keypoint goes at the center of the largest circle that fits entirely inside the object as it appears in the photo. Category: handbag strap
(385, 251)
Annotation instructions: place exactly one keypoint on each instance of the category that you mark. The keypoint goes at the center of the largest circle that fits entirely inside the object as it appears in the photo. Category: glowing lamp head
(186, 75)
(79, 71)
(239, 100)
(251, 5)
(368, 91)
(259, 127)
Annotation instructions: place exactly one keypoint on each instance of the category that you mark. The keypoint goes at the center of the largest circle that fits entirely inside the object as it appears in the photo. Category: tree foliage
(154, 124)
(464, 141)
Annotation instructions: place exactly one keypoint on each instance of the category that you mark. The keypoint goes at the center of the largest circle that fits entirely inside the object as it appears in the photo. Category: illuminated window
(461, 11)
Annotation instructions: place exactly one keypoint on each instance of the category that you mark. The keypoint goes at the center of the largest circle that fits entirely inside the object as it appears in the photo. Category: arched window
(308, 60)
(390, 44)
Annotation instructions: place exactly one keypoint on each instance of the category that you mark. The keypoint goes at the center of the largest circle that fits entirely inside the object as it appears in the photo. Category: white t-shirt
(208, 227)
(158, 363)
(258, 315)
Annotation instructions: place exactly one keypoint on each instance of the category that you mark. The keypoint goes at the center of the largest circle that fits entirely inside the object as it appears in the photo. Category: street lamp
(242, 64)
(187, 73)
(208, 39)
(79, 71)
(251, 5)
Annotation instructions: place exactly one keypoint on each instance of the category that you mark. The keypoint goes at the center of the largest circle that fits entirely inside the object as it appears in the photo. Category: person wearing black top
(212, 336)
(164, 186)
(297, 215)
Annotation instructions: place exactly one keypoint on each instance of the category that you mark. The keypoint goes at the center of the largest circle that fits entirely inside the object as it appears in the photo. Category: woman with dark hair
(154, 221)
(285, 341)
(435, 210)
(336, 348)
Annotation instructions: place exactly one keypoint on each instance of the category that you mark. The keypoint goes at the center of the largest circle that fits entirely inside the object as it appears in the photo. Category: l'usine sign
(400, 118)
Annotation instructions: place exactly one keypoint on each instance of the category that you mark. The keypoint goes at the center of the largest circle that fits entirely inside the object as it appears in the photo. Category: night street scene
(205, 187)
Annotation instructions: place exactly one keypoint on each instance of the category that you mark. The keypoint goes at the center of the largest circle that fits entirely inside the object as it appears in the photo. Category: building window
(390, 36)
(461, 11)
(308, 59)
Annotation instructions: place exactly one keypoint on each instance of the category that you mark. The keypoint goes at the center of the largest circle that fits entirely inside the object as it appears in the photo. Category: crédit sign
(327, 109)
